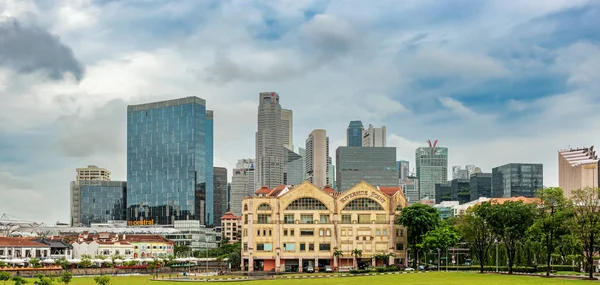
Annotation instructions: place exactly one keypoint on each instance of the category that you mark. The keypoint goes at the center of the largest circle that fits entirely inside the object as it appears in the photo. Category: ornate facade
(289, 229)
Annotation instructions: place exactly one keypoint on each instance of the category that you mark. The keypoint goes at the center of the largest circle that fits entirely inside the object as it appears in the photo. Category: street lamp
(496, 241)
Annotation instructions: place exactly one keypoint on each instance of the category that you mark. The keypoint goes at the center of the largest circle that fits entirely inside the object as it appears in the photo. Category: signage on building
(141, 223)
(369, 194)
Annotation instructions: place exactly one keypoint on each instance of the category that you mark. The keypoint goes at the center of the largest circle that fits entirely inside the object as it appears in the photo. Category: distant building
(375, 165)
(447, 209)
(331, 175)
(403, 169)
(443, 192)
(577, 169)
(432, 168)
(242, 184)
(374, 137)
(287, 128)
(270, 140)
(517, 179)
(293, 171)
(317, 154)
(481, 185)
(220, 189)
(410, 187)
(20, 248)
(354, 134)
(96, 201)
(231, 227)
(92, 172)
(302, 152)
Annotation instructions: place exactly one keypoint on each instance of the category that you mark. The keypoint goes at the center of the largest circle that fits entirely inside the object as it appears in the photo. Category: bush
(359, 271)
(380, 269)
(392, 268)
(558, 268)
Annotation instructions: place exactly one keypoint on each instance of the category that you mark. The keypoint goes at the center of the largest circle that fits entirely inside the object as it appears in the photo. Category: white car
(409, 269)
(328, 269)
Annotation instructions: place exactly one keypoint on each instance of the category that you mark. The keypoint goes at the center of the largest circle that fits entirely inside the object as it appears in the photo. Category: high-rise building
(459, 173)
(302, 152)
(481, 185)
(517, 179)
(375, 165)
(97, 201)
(287, 128)
(403, 169)
(269, 141)
(168, 153)
(456, 190)
(354, 134)
(210, 218)
(220, 190)
(432, 168)
(374, 137)
(331, 174)
(293, 172)
(92, 172)
(317, 158)
(577, 169)
(410, 188)
(242, 184)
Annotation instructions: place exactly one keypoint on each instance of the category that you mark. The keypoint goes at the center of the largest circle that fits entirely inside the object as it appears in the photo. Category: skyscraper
(211, 219)
(168, 152)
(302, 152)
(403, 169)
(577, 169)
(269, 142)
(98, 201)
(375, 165)
(354, 134)
(293, 172)
(432, 168)
(287, 128)
(317, 155)
(481, 185)
(459, 173)
(374, 137)
(220, 189)
(517, 179)
(242, 184)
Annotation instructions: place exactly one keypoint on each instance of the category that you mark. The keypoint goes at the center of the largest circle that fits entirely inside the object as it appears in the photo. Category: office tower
(517, 179)
(432, 168)
(242, 184)
(317, 155)
(374, 137)
(481, 185)
(456, 190)
(269, 142)
(287, 128)
(302, 152)
(410, 188)
(443, 192)
(403, 169)
(210, 218)
(228, 197)
(97, 201)
(331, 175)
(167, 154)
(293, 172)
(375, 165)
(459, 173)
(577, 169)
(354, 134)
(92, 172)
(220, 190)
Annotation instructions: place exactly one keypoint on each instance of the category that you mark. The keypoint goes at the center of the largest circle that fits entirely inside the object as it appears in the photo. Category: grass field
(452, 278)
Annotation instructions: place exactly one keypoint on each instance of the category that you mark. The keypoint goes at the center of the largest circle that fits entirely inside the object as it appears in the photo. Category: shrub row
(519, 269)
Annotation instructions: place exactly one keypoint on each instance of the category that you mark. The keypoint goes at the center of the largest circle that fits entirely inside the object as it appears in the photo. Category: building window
(264, 247)
(399, 246)
(321, 232)
(285, 232)
(377, 233)
(270, 233)
(397, 232)
(288, 218)
(292, 233)
(399, 208)
(245, 207)
(305, 233)
(311, 247)
(258, 232)
(264, 207)
(263, 219)
(363, 204)
(246, 219)
(306, 219)
(289, 246)
(380, 218)
(245, 247)
(302, 247)
(323, 219)
(364, 218)
(384, 233)
(328, 232)
(306, 204)
(346, 219)
(324, 247)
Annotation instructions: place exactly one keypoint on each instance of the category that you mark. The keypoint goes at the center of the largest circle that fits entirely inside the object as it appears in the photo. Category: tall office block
(456, 190)
(287, 128)
(331, 175)
(97, 201)
(375, 165)
(317, 155)
(167, 152)
(220, 190)
(577, 169)
(293, 172)
(354, 134)
(432, 168)
(517, 179)
(242, 184)
(269, 142)
(481, 185)
(403, 169)
(410, 188)
(374, 137)
(90, 173)
(459, 173)
(302, 152)
(211, 219)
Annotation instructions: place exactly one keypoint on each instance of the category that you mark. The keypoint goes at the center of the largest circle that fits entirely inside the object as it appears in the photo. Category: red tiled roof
(329, 190)
(515, 199)
(389, 190)
(146, 238)
(276, 190)
(263, 191)
(19, 242)
(229, 216)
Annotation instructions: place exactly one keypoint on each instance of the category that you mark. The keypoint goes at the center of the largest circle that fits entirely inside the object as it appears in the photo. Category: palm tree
(356, 253)
(336, 256)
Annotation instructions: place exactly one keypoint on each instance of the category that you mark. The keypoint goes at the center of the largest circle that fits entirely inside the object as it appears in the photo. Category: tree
(19, 280)
(510, 221)
(35, 262)
(3, 264)
(336, 255)
(86, 261)
(585, 222)
(66, 277)
(62, 262)
(440, 238)
(181, 250)
(477, 232)
(383, 256)
(102, 280)
(418, 219)
(4, 276)
(43, 280)
(552, 214)
(357, 253)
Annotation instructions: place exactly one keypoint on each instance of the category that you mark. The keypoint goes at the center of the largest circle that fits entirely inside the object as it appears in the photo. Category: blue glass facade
(354, 134)
(167, 155)
(102, 201)
(210, 185)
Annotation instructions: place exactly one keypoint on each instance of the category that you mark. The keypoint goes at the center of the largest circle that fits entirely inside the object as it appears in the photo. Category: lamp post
(496, 241)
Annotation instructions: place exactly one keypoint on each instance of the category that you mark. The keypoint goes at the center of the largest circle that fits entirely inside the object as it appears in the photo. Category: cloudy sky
(495, 81)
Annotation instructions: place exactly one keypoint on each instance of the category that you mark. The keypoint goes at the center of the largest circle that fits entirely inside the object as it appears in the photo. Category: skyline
(496, 82)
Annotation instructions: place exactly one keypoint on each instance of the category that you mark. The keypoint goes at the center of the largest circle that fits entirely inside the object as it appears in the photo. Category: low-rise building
(125, 245)
(287, 231)
(231, 227)
(58, 248)
(19, 248)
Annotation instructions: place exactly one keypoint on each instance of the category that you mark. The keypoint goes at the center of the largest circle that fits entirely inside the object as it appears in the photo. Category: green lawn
(450, 278)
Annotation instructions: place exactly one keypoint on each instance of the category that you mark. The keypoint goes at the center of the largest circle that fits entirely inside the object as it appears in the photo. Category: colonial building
(231, 227)
(19, 248)
(291, 228)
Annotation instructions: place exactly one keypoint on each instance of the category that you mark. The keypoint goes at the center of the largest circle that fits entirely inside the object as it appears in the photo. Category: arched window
(363, 204)
(306, 204)
(245, 207)
(264, 207)
(399, 208)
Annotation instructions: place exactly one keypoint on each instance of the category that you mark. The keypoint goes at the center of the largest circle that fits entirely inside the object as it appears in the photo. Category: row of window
(360, 204)
(290, 246)
(323, 219)
(107, 252)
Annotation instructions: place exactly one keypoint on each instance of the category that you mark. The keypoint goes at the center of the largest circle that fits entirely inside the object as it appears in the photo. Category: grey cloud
(27, 49)
(224, 70)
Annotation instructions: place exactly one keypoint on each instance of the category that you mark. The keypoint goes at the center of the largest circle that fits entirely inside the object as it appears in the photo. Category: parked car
(409, 269)
(421, 267)
(310, 269)
(328, 269)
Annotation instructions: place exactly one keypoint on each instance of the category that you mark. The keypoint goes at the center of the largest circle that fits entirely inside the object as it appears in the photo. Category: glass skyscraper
(517, 179)
(210, 196)
(220, 192)
(169, 162)
(375, 165)
(354, 134)
(102, 201)
(432, 168)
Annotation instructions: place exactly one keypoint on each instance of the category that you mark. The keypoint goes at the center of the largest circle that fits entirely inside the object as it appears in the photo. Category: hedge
(519, 269)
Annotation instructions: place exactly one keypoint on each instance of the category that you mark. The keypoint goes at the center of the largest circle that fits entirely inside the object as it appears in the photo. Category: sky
(494, 81)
